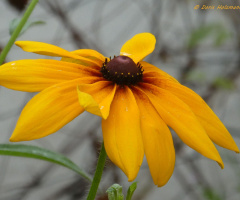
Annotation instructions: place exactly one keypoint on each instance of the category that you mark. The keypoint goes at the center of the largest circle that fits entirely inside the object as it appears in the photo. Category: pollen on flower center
(122, 70)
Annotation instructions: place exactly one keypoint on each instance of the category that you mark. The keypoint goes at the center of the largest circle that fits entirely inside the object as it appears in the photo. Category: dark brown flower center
(122, 70)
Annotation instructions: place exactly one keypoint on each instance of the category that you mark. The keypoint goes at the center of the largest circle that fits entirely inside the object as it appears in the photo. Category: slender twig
(17, 30)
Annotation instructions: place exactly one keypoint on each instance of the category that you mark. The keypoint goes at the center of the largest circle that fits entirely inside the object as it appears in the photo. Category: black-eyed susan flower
(137, 101)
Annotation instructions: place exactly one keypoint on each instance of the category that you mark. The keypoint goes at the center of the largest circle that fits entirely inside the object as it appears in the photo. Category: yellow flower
(136, 100)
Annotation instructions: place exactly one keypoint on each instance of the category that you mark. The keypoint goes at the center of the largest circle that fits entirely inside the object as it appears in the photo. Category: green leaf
(14, 23)
(131, 190)
(115, 192)
(223, 83)
(29, 151)
(211, 195)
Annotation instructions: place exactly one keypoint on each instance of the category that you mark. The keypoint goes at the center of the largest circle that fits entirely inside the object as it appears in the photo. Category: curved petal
(89, 54)
(49, 111)
(50, 50)
(157, 140)
(211, 123)
(139, 46)
(96, 98)
(36, 75)
(182, 120)
(122, 133)
(153, 71)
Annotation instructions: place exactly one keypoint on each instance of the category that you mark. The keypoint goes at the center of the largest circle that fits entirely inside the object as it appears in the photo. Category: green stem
(17, 30)
(98, 174)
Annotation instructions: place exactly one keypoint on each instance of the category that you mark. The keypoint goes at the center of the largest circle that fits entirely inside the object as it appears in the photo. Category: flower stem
(98, 174)
(17, 30)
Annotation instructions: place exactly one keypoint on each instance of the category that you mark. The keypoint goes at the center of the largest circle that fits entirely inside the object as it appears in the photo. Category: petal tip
(105, 116)
(19, 43)
(220, 164)
(160, 182)
(131, 178)
(16, 136)
(236, 149)
(233, 147)
(160, 185)
(13, 139)
(16, 42)
(131, 174)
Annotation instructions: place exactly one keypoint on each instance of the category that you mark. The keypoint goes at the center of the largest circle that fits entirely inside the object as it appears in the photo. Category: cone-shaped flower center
(122, 70)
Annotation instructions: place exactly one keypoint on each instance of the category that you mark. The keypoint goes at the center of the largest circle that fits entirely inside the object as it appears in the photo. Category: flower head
(136, 100)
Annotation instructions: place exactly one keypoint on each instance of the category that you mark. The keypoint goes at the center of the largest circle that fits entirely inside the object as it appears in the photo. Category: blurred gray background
(199, 47)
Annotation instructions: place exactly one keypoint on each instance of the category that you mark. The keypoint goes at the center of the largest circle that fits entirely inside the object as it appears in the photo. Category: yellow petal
(182, 120)
(157, 140)
(50, 50)
(36, 75)
(153, 71)
(139, 46)
(211, 123)
(49, 111)
(122, 133)
(89, 54)
(96, 98)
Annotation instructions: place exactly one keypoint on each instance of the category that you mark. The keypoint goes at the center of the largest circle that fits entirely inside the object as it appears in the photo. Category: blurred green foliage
(211, 195)
(224, 83)
(218, 31)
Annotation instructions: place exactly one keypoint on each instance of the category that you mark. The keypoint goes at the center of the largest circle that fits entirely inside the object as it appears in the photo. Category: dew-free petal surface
(49, 110)
(139, 46)
(153, 71)
(49, 50)
(208, 119)
(89, 54)
(176, 114)
(157, 140)
(36, 75)
(122, 133)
